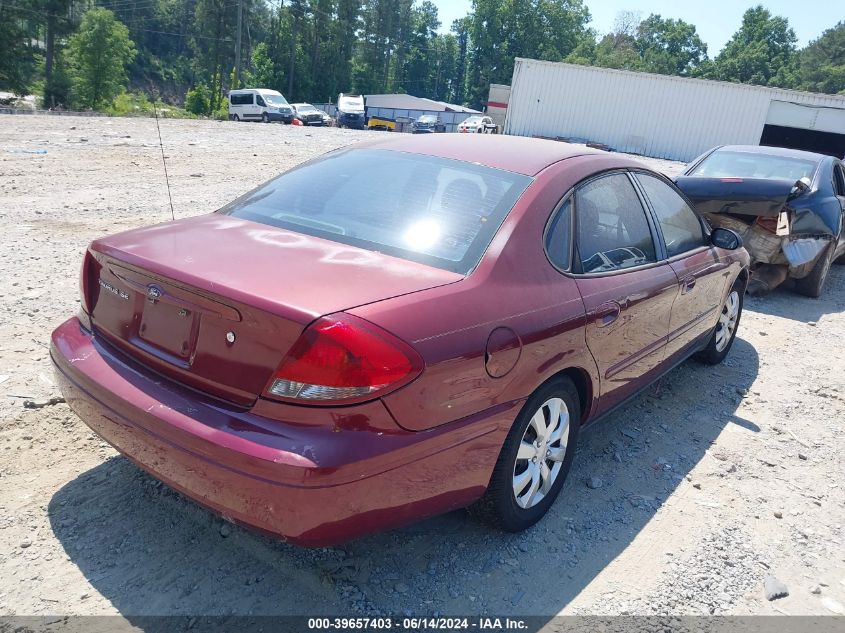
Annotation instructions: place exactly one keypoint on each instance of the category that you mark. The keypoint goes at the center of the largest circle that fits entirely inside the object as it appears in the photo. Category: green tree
(17, 56)
(214, 49)
(669, 47)
(761, 52)
(99, 53)
(657, 45)
(197, 100)
(501, 31)
(822, 62)
(460, 28)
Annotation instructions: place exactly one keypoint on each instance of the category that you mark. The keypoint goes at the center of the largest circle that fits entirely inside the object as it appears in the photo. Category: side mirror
(721, 237)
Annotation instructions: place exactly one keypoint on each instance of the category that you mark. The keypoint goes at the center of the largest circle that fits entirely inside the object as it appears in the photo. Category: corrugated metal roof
(654, 115)
(410, 102)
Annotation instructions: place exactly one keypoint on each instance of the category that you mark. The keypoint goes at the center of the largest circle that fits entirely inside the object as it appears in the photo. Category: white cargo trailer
(665, 116)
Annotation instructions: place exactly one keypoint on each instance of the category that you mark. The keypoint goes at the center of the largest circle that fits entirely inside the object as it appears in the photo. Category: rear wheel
(535, 458)
(235, 117)
(813, 284)
(724, 333)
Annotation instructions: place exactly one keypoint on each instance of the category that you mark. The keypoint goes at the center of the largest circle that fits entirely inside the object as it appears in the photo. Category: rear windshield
(726, 164)
(435, 211)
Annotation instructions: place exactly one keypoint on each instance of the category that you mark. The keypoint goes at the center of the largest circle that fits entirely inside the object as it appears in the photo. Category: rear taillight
(342, 359)
(85, 282)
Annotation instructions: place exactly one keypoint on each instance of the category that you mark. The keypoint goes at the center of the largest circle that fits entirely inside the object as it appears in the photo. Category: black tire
(235, 118)
(813, 284)
(499, 505)
(715, 353)
(265, 118)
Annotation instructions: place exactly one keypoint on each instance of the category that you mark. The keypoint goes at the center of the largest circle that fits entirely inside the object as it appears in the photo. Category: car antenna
(164, 162)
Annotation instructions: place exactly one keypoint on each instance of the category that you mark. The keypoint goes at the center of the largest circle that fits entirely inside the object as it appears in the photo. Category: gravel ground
(699, 489)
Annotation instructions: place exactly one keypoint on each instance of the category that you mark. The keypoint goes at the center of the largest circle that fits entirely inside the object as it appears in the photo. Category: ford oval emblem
(153, 293)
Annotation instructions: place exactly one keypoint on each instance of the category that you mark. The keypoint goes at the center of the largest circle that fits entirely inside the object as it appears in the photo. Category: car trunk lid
(216, 302)
(744, 196)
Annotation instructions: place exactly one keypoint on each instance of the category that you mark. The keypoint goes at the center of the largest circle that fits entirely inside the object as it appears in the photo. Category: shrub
(198, 101)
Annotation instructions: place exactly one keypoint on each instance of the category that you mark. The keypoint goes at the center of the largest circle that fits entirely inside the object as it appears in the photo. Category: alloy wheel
(541, 452)
(727, 321)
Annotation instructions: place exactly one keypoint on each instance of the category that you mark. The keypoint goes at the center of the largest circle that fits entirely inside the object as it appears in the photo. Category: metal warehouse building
(664, 116)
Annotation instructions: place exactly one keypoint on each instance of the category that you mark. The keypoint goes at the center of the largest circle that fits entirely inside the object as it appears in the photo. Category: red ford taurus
(395, 330)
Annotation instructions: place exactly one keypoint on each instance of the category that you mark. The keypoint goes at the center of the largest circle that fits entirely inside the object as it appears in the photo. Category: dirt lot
(714, 479)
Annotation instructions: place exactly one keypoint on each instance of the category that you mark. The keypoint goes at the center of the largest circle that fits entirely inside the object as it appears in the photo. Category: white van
(350, 111)
(258, 104)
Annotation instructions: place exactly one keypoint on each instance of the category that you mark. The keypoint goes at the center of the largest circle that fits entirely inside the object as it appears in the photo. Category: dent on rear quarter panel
(514, 286)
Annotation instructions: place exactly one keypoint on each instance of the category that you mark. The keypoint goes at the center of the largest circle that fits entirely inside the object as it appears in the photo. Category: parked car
(350, 111)
(259, 104)
(327, 119)
(307, 114)
(787, 204)
(431, 330)
(425, 124)
(477, 124)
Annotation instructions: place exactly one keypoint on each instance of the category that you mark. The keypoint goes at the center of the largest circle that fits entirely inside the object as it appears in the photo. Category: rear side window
(611, 226)
(559, 236)
(679, 224)
(436, 211)
(241, 99)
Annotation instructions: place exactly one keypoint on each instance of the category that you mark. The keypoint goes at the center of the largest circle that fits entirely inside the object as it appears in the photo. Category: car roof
(519, 154)
(255, 90)
(773, 151)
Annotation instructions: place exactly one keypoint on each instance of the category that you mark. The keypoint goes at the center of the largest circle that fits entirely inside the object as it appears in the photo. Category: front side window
(611, 226)
(435, 211)
(260, 101)
(679, 224)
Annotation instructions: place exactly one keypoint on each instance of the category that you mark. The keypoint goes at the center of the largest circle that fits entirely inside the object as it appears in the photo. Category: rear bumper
(314, 485)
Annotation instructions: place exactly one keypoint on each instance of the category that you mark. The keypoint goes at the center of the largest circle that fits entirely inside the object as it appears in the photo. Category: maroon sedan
(395, 330)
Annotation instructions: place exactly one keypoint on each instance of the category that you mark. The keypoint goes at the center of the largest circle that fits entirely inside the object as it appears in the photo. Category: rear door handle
(687, 285)
(606, 313)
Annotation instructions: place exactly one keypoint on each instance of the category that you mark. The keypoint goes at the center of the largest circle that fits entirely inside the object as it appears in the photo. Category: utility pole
(238, 45)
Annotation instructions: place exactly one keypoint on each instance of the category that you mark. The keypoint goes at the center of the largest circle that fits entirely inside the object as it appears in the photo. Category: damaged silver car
(788, 206)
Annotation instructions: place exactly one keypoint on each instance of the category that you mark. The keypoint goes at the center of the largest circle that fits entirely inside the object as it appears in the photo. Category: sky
(715, 20)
